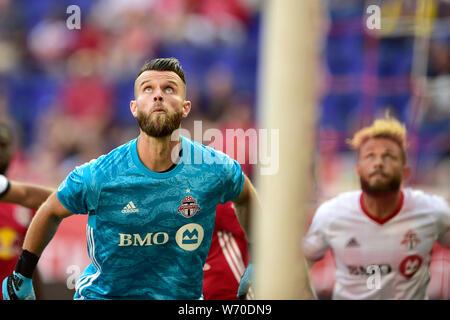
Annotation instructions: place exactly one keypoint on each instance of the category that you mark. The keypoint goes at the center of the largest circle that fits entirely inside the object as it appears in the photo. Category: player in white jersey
(381, 236)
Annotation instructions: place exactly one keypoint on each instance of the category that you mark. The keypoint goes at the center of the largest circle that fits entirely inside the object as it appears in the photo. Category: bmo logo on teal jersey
(190, 236)
(126, 239)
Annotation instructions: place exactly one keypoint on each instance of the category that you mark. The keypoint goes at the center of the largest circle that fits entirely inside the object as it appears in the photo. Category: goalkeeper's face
(160, 103)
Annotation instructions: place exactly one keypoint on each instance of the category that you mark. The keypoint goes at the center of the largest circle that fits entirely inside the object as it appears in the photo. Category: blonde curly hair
(389, 128)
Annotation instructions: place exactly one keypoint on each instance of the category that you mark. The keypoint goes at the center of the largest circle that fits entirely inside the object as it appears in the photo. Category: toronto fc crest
(410, 240)
(189, 207)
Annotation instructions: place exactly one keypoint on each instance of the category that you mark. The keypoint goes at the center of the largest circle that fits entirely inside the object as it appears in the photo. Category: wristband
(4, 185)
(26, 264)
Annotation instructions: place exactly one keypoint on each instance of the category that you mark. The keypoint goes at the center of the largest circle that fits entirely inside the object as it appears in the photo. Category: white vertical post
(287, 100)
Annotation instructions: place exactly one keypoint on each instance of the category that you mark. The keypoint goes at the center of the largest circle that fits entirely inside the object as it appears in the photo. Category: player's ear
(406, 172)
(358, 169)
(133, 108)
(186, 108)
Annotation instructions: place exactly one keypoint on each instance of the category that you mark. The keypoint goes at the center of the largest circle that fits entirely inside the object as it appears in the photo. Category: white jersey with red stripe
(379, 259)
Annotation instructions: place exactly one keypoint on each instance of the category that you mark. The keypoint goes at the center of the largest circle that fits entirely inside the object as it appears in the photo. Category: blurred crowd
(403, 68)
(67, 92)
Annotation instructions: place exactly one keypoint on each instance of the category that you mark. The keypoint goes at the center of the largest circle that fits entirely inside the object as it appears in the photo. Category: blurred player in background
(151, 203)
(14, 219)
(229, 254)
(228, 257)
(381, 236)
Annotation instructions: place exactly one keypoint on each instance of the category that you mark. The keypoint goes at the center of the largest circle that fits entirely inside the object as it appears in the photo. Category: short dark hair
(164, 64)
(6, 146)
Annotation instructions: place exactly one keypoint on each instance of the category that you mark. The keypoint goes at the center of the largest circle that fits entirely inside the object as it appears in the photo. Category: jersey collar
(158, 175)
(389, 217)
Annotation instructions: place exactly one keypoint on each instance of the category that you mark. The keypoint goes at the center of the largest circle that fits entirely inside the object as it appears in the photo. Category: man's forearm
(25, 194)
(245, 205)
(243, 214)
(43, 227)
(33, 196)
(41, 231)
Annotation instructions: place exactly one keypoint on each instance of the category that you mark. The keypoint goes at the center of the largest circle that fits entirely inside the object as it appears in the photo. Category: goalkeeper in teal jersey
(151, 203)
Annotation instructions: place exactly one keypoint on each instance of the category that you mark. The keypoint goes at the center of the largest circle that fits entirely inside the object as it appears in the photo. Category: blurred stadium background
(67, 92)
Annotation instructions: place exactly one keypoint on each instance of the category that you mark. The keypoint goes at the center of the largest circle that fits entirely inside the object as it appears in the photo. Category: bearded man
(151, 203)
(381, 236)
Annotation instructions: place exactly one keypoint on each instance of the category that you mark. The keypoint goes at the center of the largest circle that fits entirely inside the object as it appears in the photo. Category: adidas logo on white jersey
(352, 243)
(130, 208)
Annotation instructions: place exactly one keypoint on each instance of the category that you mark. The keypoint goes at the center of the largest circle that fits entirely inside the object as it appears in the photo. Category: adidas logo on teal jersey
(130, 208)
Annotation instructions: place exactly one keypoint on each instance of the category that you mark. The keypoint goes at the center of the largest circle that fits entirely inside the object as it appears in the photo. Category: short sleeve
(74, 190)
(315, 243)
(232, 178)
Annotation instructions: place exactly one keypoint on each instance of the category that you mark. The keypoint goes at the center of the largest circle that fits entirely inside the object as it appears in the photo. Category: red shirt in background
(228, 257)
(14, 222)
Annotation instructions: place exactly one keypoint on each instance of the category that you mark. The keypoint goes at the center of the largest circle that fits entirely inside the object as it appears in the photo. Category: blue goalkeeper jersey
(148, 233)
